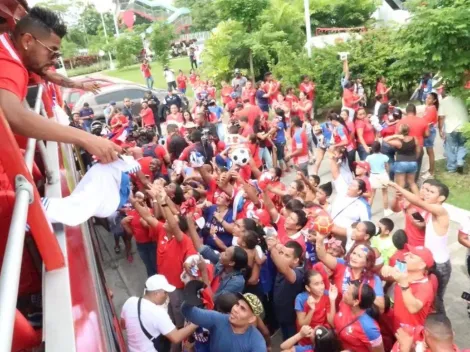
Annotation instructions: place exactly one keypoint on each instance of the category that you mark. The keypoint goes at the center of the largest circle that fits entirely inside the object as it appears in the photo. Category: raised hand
(333, 293)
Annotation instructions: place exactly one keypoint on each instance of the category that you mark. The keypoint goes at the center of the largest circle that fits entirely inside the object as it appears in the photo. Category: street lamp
(307, 27)
(103, 7)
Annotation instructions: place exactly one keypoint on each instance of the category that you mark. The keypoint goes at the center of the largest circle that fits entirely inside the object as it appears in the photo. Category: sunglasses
(55, 54)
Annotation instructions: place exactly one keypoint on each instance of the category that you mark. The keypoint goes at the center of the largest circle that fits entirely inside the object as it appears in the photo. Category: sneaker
(460, 170)
(388, 212)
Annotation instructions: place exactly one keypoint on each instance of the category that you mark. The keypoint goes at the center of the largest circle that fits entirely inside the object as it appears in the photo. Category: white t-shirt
(347, 210)
(465, 228)
(154, 318)
(169, 76)
(455, 112)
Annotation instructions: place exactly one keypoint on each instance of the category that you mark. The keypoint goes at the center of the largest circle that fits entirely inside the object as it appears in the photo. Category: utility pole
(308, 28)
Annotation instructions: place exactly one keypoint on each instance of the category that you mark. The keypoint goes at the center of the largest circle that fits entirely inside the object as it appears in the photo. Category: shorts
(429, 140)
(182, 90)
(405, 167)
(379, 181)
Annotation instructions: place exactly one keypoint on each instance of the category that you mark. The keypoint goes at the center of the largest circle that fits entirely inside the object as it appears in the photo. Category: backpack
(149, 150)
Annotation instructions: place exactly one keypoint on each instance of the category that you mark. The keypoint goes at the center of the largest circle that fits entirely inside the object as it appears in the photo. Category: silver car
(117, 93)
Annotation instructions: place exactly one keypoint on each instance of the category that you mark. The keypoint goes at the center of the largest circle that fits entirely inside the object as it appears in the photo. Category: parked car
(71, 95)
(117, 92)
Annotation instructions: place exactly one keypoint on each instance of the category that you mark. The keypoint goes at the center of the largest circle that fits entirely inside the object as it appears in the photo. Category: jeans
(148, 254)
(171, 85)
(420, 163)
(264, 108)
(429, 140)
(193, 63)
(87, 124)
(149, 82)
(443, 271)
(287, 330)
(265, 155)
(351, 158)
(280, 151)
(182, 90)
(455, 150)
(362, 152)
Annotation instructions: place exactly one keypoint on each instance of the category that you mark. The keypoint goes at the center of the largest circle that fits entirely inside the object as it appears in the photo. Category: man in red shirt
(24, 52)
(271, 87)
(173, 247)
(414, 292)
(249, 93)
(145, 69)
(146, 114)
(250, 111)
(350, 100)
(245, 128)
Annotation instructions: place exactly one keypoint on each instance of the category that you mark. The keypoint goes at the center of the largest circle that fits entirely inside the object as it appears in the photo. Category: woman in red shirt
(304, 107)
(174, 115)
(226, 94)
(147, 115)
(430, 115)
(249, 93)
(365, 133)
(211, 89)
(192, 77)
(181, 81)
(382, 89)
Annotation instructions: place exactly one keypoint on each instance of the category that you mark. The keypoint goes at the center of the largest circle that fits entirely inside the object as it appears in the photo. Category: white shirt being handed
(154, 318)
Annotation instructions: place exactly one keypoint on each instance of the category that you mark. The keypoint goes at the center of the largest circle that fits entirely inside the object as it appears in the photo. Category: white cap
(158, 282)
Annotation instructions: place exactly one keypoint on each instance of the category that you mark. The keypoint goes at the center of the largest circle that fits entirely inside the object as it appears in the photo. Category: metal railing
(27, 208)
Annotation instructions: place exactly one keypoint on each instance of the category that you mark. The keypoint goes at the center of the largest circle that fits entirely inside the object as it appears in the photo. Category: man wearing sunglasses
(33, 47)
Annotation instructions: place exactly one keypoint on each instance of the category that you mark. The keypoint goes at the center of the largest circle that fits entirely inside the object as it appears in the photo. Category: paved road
(127, 279)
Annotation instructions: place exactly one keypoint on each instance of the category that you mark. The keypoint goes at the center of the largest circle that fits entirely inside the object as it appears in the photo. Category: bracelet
(404, 288)
(164, 205)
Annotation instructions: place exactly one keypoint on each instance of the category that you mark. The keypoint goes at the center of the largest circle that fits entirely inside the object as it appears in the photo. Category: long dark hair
(336, 117)
(436, 99)
(252, 226)
(282, 115)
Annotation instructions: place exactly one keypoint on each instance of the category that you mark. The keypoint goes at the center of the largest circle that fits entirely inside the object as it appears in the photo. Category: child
(383, 242)
(399, 240)
(324, 192)
(379, 175)
(313, 305)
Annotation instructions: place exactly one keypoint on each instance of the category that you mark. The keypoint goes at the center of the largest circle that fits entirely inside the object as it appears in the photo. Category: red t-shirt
(192, 78)
(305, 105)
(118, 118)
(368, 131)
(284, 238)
(145, 70)
(141, 233)
(13, 76)
(160, 152)
(145, 168)
(226, 95)
(249, 94)
(415, 234)
(247, 131)
(381, 89)
(211, 92)
(178, 117)
(300, 141)
(308, 89)
(181, 81)
(389, 130)
(423, 291)
(430, 115)
(349, 99)
(252, 112)
(147, 117)
(254, 151)
(398, 255)
(418, 126)
(171, 255)
(322, 308)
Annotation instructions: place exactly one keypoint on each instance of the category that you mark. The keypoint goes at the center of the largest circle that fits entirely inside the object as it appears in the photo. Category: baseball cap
(364, 164)
(254, 303)
(158, 282)
(422, 252)
(237, 70)
(261, 215)
(112, 103)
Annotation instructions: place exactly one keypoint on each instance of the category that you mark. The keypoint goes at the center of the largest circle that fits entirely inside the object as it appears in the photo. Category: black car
(117, 93)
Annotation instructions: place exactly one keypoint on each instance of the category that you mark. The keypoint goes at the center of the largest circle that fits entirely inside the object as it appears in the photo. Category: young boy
(383, 242)
(288, 284)
(399, 240)
(436, 231)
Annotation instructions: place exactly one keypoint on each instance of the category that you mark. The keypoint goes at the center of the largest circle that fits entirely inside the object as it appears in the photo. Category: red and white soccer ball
(323, 224)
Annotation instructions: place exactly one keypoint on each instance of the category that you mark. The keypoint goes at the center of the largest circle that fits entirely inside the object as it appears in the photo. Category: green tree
(91, 20)
(69, 49)
(203, 14)
(127, 48)
(160, 40)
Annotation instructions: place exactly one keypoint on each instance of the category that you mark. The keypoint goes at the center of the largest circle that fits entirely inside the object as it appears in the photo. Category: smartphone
(466, 296)
(418, 217)
(401, 266)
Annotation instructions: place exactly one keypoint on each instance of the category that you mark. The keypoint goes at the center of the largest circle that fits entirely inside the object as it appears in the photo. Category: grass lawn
(133, 74)
(459, 185)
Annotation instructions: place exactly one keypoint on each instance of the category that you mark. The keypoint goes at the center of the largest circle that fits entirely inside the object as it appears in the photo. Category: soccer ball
(323, 224)
(241, 156)
(196, 159)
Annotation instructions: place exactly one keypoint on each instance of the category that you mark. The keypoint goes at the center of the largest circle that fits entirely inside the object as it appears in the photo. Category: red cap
(364, 164)
(422, 252)
(262, 216)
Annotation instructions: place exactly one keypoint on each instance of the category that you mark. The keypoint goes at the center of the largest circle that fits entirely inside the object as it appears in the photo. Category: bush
(84, 70)
(127, 48)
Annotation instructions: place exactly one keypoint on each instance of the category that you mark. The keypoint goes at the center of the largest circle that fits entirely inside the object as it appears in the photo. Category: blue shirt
(224, 236)
(217, 111)
(285, 294)
(260, 100)
(267, 274)
(326, 128)
(311, 253)
(222, 336)
(84, 112)
(281, 133)
(377, 163)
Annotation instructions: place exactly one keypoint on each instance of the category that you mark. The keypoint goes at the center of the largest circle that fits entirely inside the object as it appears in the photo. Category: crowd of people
(234, 253)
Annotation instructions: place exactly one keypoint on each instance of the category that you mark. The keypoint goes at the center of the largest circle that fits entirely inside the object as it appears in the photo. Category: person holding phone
(413, 292)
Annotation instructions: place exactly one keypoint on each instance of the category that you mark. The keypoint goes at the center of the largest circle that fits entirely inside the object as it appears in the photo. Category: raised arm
(270, 207)
(435, 209)
(325, 257)
(280, 261)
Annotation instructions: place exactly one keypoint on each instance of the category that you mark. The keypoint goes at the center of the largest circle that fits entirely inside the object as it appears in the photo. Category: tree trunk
(252, 69)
